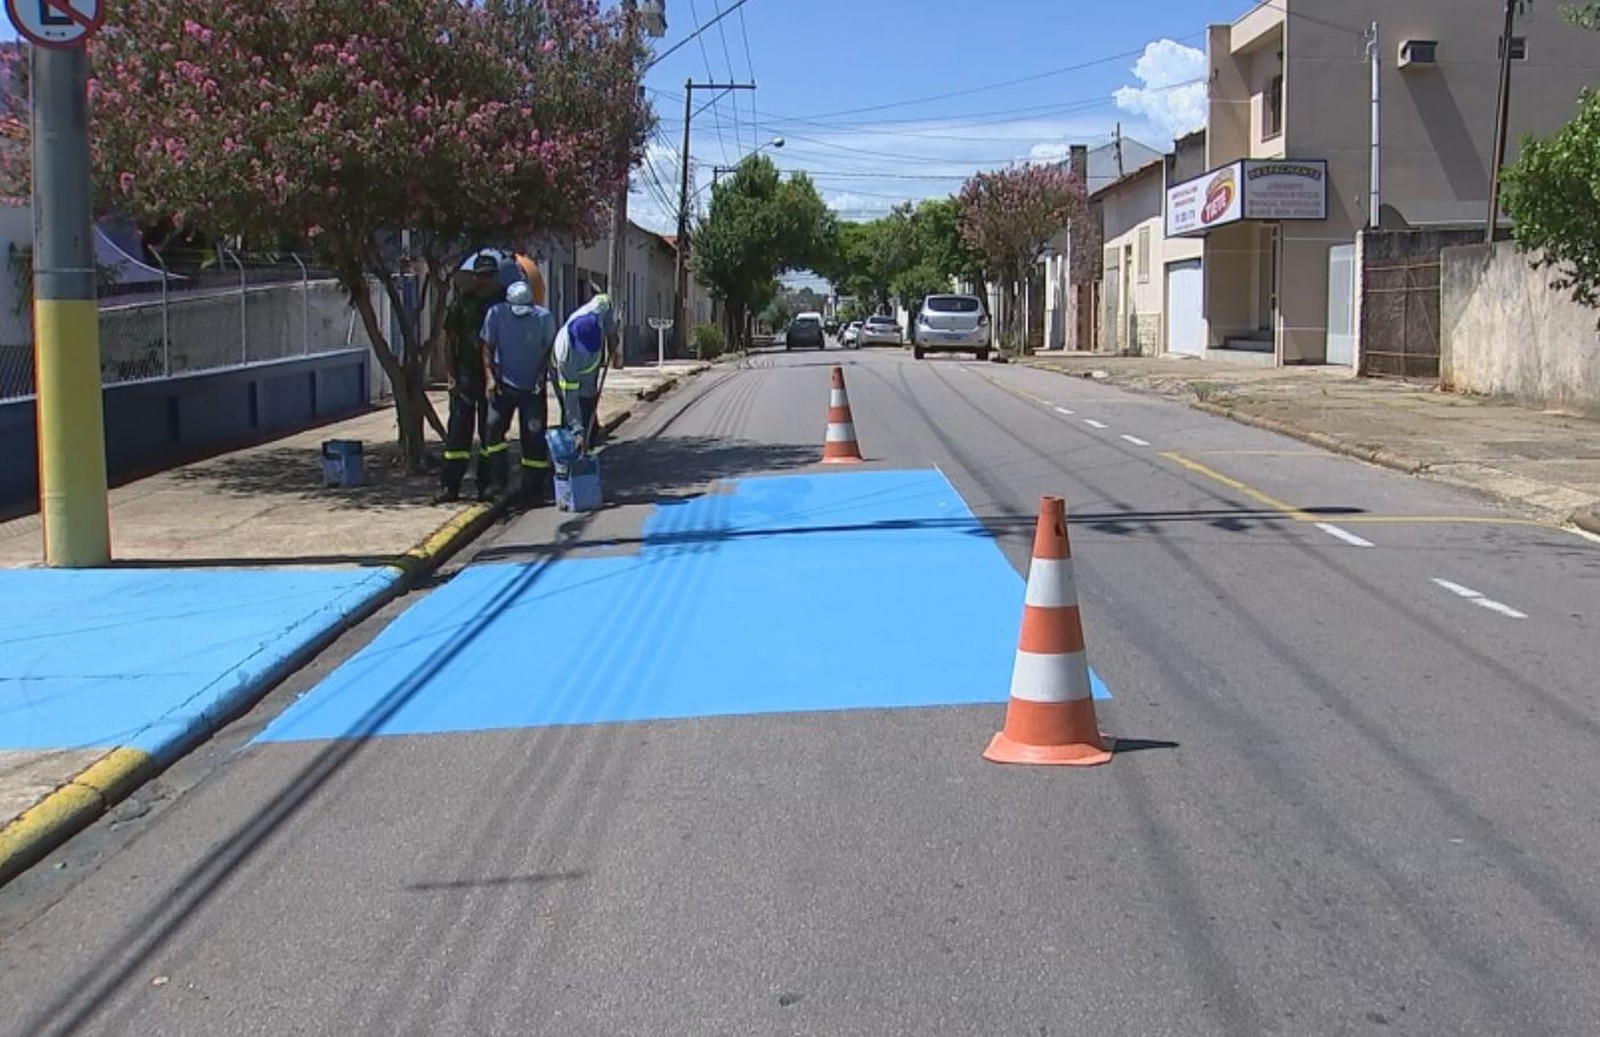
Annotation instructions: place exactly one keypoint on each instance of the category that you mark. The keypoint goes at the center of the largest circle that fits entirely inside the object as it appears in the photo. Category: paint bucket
(578, 485)
(341, 463)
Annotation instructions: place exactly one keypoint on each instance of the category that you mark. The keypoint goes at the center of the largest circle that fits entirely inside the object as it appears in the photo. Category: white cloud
(1173, 97)
(1050, 151)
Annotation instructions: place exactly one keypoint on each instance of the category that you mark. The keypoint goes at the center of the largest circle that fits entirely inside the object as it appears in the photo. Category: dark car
(804, 332)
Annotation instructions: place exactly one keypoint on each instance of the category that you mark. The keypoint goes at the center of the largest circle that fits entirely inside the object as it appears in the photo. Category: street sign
(63, 24)
(661, 324)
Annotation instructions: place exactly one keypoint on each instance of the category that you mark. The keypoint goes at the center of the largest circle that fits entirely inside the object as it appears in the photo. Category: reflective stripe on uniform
(592, 368)
(566, 386)
(458, 455)
(497, 448)
(533, 463)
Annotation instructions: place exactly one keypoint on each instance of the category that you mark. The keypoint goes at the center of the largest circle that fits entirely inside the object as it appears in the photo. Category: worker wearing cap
(517, 336)
(469, 402)
(580, 350)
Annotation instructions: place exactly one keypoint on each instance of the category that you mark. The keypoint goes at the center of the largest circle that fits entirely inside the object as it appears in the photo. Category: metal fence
(241, 308)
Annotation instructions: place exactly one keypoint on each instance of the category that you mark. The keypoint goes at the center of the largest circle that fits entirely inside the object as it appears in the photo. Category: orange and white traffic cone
(839, 445)
(1050, 718)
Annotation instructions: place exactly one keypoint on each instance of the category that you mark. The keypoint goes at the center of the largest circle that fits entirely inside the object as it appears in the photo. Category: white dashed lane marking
(1093, 423)
(1343, 534)
(1136, 441)
(1477, 598)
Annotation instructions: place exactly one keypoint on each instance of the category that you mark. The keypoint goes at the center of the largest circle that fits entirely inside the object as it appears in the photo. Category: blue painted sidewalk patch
(783, 594)
(148, 658)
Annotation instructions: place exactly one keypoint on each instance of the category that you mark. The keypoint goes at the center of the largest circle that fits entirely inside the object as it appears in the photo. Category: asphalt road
(1360, 795)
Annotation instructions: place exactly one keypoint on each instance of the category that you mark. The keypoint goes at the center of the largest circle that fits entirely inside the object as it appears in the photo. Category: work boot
(446, 496)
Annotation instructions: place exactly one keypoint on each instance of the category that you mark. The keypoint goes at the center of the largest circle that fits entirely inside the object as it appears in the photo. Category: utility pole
(1502, 118)
(680, 314)
(66, 318)
(1375, 195)
(1120, 171)
(655, 24)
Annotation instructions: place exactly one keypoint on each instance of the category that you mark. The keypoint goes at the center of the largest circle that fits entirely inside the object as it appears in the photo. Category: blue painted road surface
(145, 658)
(784, 594)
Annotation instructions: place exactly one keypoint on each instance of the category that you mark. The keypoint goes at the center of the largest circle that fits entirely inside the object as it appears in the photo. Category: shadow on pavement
(97, 979)
(649, 471)
(1136, 745)
(275, 562)
(296, 473)
(498, 881)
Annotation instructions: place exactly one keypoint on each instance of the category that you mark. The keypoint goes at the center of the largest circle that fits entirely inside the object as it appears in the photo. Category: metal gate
(1342, 305)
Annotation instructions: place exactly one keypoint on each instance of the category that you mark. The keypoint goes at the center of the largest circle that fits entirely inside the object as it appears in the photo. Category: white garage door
(1186, 332)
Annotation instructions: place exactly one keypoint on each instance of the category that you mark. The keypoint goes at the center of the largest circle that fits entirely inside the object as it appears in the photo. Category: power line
(732, 76)
(694, 35)
(975, 119)
(1125, 55)
(750, 66)
(705, 55)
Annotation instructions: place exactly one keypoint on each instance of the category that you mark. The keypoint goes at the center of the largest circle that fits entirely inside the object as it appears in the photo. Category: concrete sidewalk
(229, 574)
(1546, 463)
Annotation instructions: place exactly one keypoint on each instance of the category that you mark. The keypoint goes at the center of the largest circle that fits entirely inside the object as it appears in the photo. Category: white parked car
(951, 324)
(879, 330)
(850, 337)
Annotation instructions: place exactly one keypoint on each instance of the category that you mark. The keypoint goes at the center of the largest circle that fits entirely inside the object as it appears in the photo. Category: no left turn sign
(56, 23)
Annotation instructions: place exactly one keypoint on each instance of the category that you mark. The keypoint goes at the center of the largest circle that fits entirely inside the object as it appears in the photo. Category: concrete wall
(156, 423)
(1506, 332)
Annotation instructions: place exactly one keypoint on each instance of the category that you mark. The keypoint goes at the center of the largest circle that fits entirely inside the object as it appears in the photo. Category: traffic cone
(1050, 718)
(839, 445)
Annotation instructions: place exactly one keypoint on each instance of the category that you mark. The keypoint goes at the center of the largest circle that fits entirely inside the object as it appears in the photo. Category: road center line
(1344, 534)
(1093, 423)
(1135, 440)
(1234, 484)
(1062, 410)
(1478, 599)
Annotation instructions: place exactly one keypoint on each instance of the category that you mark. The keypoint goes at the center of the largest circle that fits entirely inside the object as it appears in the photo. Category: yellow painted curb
(37, 831)
(88, 794)
(115, 774)
(444, 539)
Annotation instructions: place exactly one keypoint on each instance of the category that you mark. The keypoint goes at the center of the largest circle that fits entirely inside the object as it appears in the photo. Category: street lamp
(717, 171)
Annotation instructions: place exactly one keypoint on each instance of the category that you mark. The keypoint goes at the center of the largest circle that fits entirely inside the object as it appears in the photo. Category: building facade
(1289, 152)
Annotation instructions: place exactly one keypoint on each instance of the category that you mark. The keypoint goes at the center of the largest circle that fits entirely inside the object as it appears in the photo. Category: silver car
(951, 324)
(879, 330)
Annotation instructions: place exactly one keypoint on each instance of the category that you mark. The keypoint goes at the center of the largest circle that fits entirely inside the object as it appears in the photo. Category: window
(1144, 255)
(952, 304)
(1519, 49)
(1272, 109)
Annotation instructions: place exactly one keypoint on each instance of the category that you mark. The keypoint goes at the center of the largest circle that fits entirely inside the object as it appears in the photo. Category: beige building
(1289, 151)
(1149, 290)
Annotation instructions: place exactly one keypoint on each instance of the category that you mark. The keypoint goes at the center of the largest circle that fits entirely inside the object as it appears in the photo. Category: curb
(1587, 519)
(1376, 455)
(110, 779)
(92, 791)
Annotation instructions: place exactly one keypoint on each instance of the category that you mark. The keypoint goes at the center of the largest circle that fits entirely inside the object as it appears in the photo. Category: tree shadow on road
(675, 468)
(295, 473)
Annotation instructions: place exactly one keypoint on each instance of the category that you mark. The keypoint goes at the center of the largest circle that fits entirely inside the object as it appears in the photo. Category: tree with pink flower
(1008, 216)
(344, 121)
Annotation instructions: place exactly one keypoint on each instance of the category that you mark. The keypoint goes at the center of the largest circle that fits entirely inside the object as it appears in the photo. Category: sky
(883, 101)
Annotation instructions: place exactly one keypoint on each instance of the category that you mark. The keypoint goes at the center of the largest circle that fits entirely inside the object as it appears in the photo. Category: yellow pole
(72, 457)
(66, 319)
